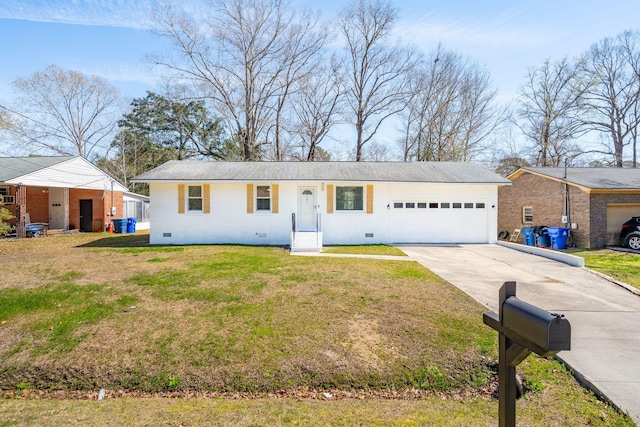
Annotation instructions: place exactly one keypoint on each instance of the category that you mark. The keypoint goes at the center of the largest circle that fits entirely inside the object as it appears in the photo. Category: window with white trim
(349, 198)
(194, 198)
(527, 214)
(263, 198)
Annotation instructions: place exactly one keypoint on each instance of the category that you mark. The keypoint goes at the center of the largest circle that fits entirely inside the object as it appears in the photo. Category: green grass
(252, 321)
(622, 266)
(58, 310)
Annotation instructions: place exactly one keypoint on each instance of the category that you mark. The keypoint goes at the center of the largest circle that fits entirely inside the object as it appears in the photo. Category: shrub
(5, 215)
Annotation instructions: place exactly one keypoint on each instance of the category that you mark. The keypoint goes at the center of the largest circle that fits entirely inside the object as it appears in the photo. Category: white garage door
(450, 221)
(618, 214)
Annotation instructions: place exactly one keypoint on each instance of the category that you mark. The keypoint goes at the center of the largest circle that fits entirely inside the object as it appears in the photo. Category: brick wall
(546, 197)
(38, 206)
(101, 205)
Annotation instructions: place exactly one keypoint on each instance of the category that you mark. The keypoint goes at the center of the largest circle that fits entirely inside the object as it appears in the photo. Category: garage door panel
(439, 225)
(618, 214)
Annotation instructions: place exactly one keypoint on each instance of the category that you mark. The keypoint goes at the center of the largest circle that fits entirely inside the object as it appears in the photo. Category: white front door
(58, 208)
(306, 209)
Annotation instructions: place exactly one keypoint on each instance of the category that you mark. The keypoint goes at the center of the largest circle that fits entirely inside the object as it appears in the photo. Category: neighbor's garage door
(618, 214)
(438, 222)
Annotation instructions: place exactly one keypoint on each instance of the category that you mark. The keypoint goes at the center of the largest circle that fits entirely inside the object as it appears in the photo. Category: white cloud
(116, 13)
(124, 73)
(502, 31)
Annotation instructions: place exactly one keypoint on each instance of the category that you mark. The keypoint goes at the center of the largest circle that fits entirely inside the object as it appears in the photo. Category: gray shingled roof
(13, 167)
(595, 178)
(441, 172)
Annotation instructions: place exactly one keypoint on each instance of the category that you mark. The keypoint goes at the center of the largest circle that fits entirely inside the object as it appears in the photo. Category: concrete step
(304, 241)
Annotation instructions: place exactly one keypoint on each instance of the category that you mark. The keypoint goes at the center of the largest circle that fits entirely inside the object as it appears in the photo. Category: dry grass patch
(231, 318)
(252, 320)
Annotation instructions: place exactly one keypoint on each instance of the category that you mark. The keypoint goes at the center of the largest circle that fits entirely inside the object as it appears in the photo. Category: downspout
(565, 210)
(111, 212)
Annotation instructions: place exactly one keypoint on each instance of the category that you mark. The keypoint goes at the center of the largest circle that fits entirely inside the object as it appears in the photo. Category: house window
(479, 205)
(444, 205)
(527, 214)
(422, 205)
(263, 198)
(5, 195)
(433, 206)
(398, 205)
(410, 205)
(349, 198)
(468, 205)
(194, 198)
(137, 209)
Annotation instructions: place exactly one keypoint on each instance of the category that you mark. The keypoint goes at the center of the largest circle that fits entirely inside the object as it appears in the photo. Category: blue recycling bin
(544, 241)
(131, 225)
(558, 236)
(542, 236)
(119, 225)
(529, 237)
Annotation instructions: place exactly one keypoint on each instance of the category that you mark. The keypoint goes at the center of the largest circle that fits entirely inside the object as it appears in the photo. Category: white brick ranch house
(308, 204)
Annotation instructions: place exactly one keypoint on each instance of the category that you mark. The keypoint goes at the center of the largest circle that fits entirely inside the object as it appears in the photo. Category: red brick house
(63, 193)
(592, 202)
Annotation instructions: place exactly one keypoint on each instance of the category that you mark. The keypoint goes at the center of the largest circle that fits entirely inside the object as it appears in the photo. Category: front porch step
(306, 241)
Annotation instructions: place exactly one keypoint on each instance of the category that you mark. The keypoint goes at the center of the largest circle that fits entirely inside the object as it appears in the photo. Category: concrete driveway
(604, 317)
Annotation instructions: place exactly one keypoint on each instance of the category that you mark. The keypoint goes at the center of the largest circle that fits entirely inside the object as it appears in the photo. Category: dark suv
(630, 233)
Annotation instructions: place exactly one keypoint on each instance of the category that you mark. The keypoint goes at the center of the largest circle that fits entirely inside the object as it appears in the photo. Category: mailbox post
(523, 328)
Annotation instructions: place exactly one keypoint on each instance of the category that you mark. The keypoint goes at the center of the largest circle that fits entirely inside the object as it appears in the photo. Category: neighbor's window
(349, 198)
(263, 197)
(5, 190)
(194, 198)
(137, 209)
(527, 214)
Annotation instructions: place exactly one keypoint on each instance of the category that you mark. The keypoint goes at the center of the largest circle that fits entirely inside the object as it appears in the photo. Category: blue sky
(111, 38)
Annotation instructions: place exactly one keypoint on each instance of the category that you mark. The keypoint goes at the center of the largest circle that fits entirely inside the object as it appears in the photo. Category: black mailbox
(542, 332)
(523, 328)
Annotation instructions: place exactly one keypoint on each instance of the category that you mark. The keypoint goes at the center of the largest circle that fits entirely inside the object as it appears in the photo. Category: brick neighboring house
(62, 192)
(593, 202)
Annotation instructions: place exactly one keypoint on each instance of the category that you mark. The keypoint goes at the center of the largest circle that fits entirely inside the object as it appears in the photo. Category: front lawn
(622, 266)
(299, 340)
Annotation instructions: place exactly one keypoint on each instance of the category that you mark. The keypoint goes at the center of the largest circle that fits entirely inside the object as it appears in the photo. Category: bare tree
(451, 110)
(614, 66)
(317, 106)
(244, 58)
(375, 71)
(64, 112)
(551, 110)
(306, 38)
